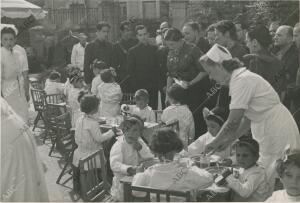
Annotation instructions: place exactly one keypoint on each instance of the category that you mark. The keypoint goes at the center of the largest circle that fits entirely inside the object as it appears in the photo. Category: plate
(215, 170)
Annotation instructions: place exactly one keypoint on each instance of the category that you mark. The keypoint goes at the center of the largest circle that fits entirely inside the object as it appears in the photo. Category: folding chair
(158, 114)
(94, 185)
(160, 195)
(65, 142)
(128, 98)
(38, 97)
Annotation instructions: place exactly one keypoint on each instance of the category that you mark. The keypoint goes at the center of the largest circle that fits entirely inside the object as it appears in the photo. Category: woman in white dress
(254, 104)
(12, 80)
(22, 175)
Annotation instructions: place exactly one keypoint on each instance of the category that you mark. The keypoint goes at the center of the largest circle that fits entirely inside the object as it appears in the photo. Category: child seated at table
(88, 135)
(127, 153)
(288, 170)
(141, 108)
(250, 184)
(214, 121)
(171, 174)
(98, 66)
(53, 84)
(110, 94)
(178, 110)
(72, 100)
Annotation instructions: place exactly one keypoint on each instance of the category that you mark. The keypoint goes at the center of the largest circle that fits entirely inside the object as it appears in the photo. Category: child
(127, 153)
(88, 135)
(179, 111)
(97, 67)
(53, 84)
(141, 108)
(251, 185)
(110, 94)
(72, 101)
(214, 120)
(288, 170)
(170, 174)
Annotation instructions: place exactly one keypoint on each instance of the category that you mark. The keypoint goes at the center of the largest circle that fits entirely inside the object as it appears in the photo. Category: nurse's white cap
(218, 53)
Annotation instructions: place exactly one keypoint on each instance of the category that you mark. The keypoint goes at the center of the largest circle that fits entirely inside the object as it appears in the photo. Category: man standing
(120, 55)
(289, 56)
(100, 49)
(296, 38)
(143, 65)
(77, 57)
(193, 33)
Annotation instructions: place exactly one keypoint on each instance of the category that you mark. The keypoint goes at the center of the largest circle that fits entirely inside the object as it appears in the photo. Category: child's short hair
(165, 140)
(107, 75)
(101, 65)
(251, 144)
(141, 94)
(130, 121)
(291, 158)
(218, 115)
(89, 103)
(177, 93)
(54, 75)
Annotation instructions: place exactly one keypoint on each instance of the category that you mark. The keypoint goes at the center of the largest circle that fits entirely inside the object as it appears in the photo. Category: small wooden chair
(54, 98)
(159, 194)
(128, 98)
(92, 187)
(38, 97)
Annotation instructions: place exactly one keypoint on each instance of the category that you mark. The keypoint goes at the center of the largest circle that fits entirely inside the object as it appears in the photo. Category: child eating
(170, 174)
(110, 94)
(251, 184)
(288, 170)
(127, 153)
(178, 110)
(141, 108)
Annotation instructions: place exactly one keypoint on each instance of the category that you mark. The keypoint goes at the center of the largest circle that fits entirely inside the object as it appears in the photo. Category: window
(149, 9)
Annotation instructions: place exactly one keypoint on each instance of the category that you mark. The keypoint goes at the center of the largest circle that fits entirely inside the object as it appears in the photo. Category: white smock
(272, 125)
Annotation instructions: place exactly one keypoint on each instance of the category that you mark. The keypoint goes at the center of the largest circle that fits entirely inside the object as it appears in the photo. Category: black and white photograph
(150, 101)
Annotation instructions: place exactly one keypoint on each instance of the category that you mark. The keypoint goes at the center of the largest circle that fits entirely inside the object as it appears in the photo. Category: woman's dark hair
(101, 65)
(251, 144)
(54, 75)
(177, 93)
(164, 141)
(232, 64)
(261, 34)
(101, 25)
(89, 103)
(106, 75)
(224, 26)
(8, 30)
(130, 121)
(292, 159)
(173, 34)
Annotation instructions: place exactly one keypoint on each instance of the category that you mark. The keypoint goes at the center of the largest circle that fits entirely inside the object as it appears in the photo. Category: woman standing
(254, 104)
(183, 65)
(13, 85)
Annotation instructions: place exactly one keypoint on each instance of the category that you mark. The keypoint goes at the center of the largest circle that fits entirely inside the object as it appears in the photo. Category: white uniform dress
(283, 196)
(95, 83)
(22, 175)
(123, 156)
(146, 114)
(272, 125)
(12, 82)
(111, 96)
(186, 121)
(73, 103)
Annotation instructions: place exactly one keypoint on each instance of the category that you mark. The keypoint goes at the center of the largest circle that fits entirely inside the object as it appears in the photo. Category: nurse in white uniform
(254, 104)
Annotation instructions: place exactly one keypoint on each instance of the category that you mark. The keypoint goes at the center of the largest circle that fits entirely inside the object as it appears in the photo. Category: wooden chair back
(36, 84)
(94, 184)
(128, 98)
(54, 98)
(160, 195)
(38, 99)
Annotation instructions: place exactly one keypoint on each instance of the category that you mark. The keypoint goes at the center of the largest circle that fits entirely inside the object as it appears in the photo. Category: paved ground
(54, 164)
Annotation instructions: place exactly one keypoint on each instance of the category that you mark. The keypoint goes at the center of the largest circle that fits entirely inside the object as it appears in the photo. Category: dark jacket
(203, 44)
(96, 50)
(162, 54)
(268, 66)
(143, 66)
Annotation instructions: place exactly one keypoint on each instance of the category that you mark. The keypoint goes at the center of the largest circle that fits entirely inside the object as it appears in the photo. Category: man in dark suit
(143, 65)
(100, 49)
(121, 48)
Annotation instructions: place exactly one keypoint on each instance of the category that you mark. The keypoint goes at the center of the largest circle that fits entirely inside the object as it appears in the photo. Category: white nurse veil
(218, 53)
